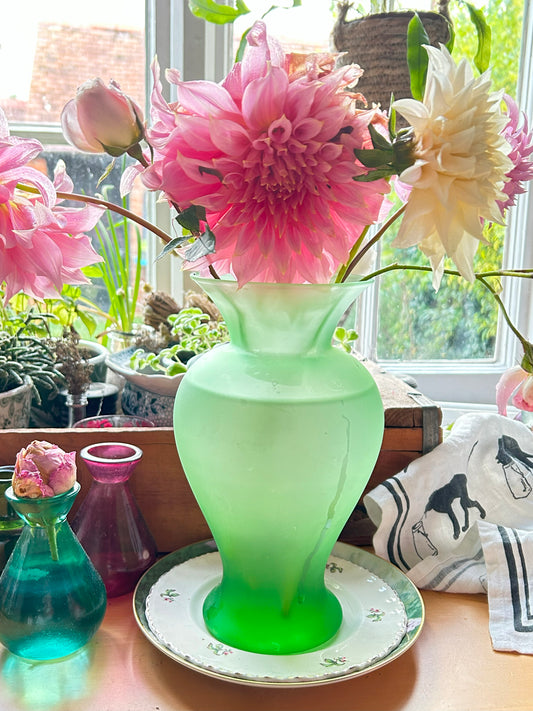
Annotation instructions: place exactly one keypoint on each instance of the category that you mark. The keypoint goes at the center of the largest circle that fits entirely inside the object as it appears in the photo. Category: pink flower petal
(507, 385)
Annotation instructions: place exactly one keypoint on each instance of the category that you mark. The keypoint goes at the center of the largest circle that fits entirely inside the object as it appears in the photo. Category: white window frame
(201, 50)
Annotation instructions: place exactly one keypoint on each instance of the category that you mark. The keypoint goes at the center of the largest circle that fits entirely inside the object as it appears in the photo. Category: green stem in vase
(51, 532)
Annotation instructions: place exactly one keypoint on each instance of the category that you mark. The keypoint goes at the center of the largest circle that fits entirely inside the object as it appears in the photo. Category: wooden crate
(412, 426)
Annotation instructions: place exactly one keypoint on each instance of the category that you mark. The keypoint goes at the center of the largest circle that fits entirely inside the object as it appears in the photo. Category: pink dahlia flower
(269, 154)
(42, 244)
(515, 384)
(521, 141)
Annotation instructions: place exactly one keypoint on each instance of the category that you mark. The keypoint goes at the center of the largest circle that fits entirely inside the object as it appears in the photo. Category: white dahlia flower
(461, 161)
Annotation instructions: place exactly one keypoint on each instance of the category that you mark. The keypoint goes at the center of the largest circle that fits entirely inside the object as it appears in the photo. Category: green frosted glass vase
(52, 600)
(278, 433)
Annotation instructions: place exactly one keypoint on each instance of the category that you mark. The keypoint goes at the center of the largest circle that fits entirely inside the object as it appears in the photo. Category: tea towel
(460, 519)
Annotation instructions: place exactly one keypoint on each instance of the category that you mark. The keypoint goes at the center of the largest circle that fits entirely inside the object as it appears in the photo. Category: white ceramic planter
(15, 407)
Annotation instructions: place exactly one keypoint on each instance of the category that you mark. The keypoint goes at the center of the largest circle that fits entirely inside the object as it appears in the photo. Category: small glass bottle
(109, 523)
(10, 524)
(77, 407)
(52, 600)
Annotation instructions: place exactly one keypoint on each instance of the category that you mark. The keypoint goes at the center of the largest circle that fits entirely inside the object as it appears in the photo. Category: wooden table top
(451, 667)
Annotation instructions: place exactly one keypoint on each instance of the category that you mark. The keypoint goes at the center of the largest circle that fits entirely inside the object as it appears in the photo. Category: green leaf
(378, 140)
(340, 333)
(451, 42)
(216, 12)
(94, 271)
(242, 46)
(392, 119)
(172, 245)
(204, 244)
(384, 172)
(107, 171)
(484, 35)
(374, 157)
(88, 321)
(176, 368)
(190, 218)
(417, 57)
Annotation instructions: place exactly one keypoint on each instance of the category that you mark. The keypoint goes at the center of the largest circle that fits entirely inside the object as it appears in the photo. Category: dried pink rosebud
(102, 119)
(43, 469)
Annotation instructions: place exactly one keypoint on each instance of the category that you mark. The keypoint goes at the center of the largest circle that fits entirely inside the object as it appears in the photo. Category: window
(64, 46)
(72, 44)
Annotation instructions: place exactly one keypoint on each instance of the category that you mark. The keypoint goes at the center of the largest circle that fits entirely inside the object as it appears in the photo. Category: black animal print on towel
(516, 465)
(441, 501)
(421, 541)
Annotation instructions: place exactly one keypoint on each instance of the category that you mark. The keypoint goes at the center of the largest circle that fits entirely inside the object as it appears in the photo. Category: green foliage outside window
(460, 321)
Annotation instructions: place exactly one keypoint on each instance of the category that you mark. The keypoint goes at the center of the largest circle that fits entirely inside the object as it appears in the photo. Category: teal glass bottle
(10, 524)
(278, 432)
(52, 600)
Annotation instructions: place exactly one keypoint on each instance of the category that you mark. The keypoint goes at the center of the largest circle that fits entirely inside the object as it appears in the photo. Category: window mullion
(198, 50)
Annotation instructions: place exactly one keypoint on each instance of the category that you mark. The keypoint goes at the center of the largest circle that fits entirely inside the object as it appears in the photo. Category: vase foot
(260, 626)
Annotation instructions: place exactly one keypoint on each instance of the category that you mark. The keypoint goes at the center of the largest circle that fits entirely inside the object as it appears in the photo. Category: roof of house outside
(67, 56)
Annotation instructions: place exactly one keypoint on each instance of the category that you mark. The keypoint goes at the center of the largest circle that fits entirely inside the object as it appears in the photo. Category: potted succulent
(27, 373)
(51, 317)
(48, 325)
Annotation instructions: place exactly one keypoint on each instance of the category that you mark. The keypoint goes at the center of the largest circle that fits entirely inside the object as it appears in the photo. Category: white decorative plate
(383, 615)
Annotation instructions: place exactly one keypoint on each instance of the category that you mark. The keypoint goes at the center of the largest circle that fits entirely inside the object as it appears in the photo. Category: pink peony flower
(42, 244)
(517, 384)
(43, 469)
(521, 142)
(269, 155)
(102, 119)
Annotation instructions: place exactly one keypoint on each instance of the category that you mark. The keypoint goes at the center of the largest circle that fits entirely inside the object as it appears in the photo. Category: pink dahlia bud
(102, 119)
(43, 469)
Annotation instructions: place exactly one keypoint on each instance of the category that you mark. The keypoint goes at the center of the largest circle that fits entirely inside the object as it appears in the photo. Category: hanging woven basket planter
(378, 44)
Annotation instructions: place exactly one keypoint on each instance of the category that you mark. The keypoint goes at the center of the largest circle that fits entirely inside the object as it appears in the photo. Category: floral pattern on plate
(374, 624)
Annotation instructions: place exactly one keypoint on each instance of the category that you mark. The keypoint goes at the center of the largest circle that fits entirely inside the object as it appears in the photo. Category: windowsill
(452, 410)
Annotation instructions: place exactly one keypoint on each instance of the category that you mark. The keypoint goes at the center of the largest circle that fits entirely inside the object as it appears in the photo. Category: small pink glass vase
(109, 523)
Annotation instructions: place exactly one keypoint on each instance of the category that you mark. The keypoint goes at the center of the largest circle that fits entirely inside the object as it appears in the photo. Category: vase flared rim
(40, 500)
(230, 280)
(136, 453)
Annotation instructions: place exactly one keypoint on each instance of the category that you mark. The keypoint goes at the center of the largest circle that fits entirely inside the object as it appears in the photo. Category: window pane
(85, 171)
(416, 323)
(47, 49)
(300, 29)
(460, 321)
(51, 48)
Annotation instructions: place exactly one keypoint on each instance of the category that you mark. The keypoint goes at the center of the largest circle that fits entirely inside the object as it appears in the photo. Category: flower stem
(346, 269)
(51, 532)
(120, 210)
(481, 277)
(341, 274)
